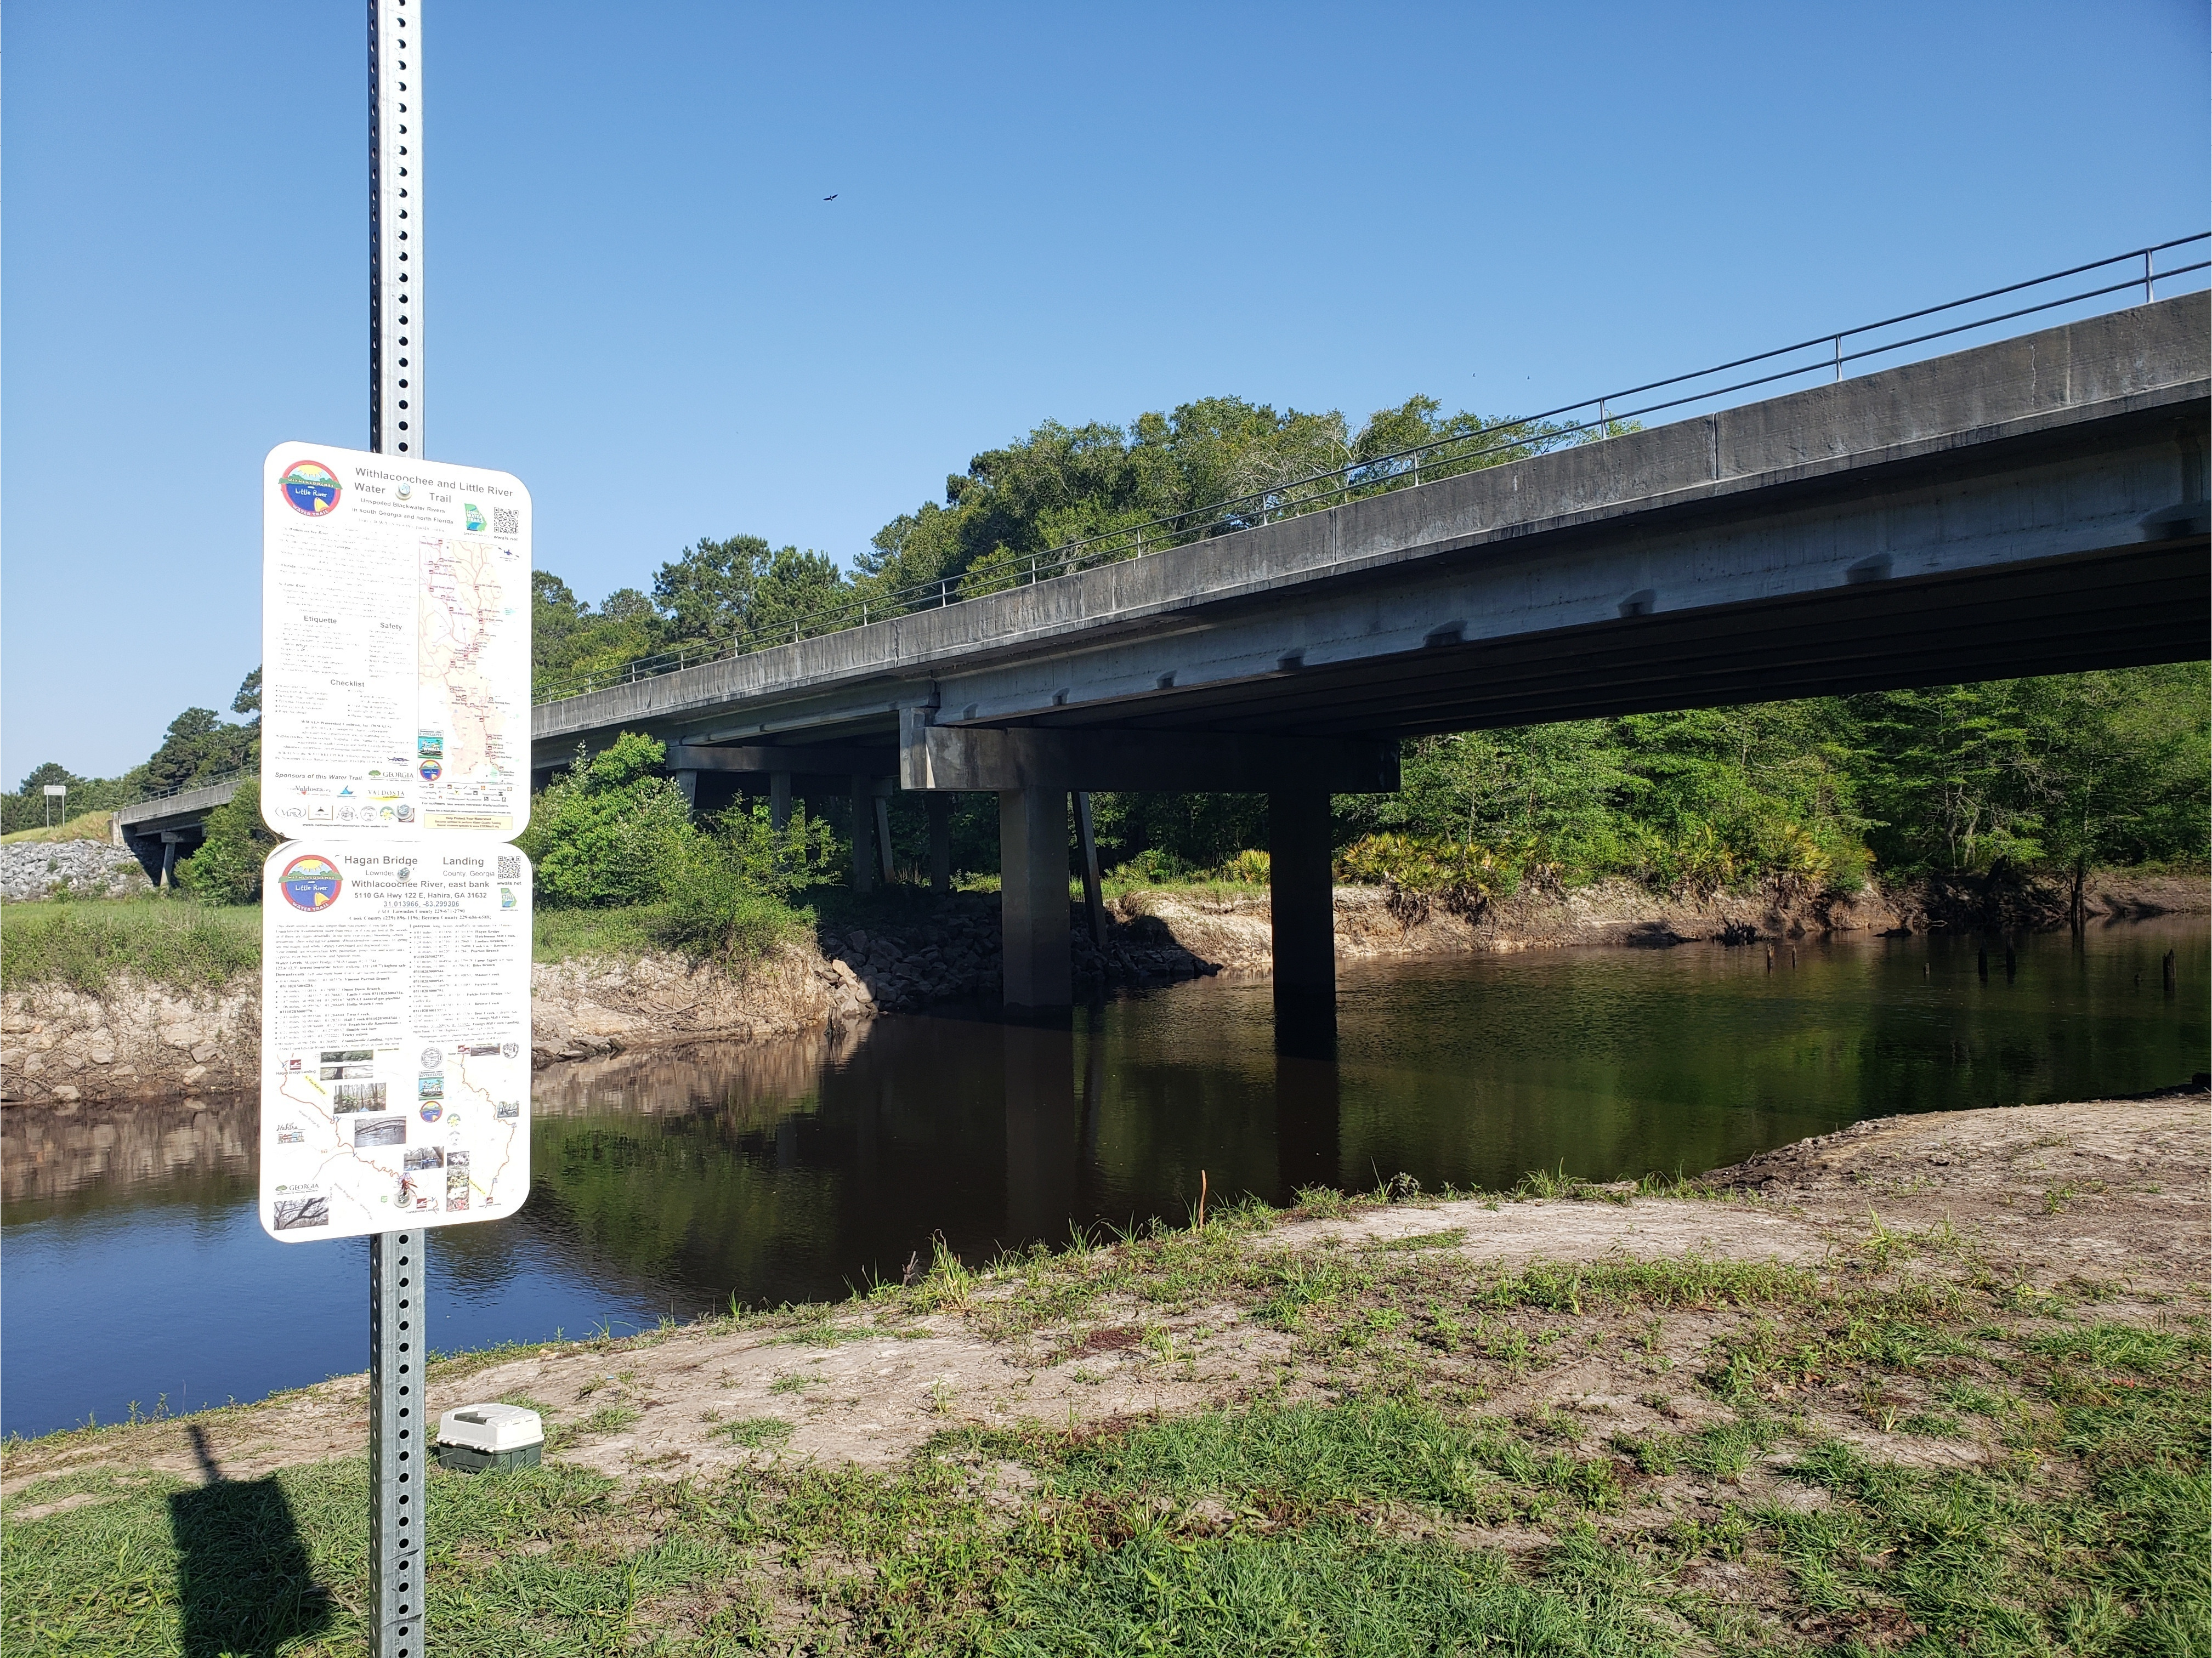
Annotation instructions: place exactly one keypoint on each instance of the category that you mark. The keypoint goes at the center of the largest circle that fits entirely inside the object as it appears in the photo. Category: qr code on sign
(507, 520)
(510, 869)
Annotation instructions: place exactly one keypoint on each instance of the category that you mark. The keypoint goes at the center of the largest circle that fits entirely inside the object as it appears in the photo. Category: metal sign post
(395, 1444)
(395, 228)
(397, 1285)
(395, 922)
(56, 792)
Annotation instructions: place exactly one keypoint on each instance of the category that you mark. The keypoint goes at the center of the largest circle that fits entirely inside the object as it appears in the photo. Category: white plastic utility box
(475, 1437)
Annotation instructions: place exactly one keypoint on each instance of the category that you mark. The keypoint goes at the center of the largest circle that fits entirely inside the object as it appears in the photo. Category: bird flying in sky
(831, 197)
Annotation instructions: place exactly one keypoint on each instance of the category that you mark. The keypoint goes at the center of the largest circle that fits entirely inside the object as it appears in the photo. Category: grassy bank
(86, 826)
(1909, 1443)
(85, 943)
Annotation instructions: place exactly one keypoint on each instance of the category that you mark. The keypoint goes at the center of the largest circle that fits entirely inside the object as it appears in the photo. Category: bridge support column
(169, 838)
(1301, 891)
(864, 833)
(1033, 897)
(779, 800)
(939, 807)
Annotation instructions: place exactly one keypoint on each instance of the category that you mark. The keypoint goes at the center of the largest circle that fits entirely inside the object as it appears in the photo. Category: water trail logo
(472, 517)
(310, 487)
(310, 883)
(432, 771)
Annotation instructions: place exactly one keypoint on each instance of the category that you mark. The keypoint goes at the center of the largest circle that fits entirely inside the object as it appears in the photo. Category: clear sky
(638, 301)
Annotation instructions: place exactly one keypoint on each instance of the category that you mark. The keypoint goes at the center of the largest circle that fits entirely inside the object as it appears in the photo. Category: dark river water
(133, 1269)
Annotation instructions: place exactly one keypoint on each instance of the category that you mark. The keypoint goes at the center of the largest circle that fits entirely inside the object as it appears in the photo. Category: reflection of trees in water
(792, 1170)
(58, 1163)
(1624, 1062)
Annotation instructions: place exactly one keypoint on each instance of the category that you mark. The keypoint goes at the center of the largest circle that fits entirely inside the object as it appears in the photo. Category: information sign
(395, 1033)
(395, 626)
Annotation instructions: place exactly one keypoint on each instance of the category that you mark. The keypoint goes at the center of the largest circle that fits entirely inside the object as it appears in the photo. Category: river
(134, 1273)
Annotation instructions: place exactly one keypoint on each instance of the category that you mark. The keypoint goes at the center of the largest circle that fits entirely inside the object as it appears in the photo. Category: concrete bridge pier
(1033, 897)
(779, 800)
(864, 833)
(939, 807)
(1301, 893)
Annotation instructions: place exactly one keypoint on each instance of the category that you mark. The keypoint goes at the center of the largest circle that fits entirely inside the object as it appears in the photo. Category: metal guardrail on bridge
(1591, 419)
(149, 795)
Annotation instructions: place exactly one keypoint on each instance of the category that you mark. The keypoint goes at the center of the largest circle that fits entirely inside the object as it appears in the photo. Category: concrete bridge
(2033, 505)
(170, 826)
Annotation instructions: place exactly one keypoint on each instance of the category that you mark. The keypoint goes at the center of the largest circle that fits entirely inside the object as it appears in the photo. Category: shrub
(715, 911)
(1246, 869)
(1419, 873)
(729, 897)
(612, 831)
(227, 868)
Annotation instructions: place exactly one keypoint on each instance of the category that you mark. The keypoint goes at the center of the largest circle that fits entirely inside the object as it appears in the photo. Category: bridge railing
(1493, 444)
(145, 796)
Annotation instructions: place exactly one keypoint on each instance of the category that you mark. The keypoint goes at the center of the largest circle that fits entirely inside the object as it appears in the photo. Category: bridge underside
(2121, 608)
(2036, 506)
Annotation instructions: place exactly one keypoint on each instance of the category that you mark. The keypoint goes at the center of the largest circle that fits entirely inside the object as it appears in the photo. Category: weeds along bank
(156, 999)
(1933, 1384)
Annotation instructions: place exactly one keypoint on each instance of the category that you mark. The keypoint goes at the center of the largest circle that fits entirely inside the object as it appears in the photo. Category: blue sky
(638, 303)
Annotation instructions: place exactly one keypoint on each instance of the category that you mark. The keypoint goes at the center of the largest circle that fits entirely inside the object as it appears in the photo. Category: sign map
(395, 646)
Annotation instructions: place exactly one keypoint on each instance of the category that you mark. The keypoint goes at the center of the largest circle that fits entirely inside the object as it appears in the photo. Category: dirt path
(2108, 1194)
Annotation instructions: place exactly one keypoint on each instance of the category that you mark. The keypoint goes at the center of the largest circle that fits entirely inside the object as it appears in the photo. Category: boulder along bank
(138, 1039)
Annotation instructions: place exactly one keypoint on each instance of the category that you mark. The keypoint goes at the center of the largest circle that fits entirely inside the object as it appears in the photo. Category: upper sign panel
(395, 629)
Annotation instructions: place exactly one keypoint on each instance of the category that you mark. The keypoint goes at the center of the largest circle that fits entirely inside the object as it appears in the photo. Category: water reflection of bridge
(799, 1162)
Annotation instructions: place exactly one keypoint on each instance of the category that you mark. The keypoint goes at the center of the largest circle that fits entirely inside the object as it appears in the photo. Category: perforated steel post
(395, 227)
(396, 1259)
(395, 1441)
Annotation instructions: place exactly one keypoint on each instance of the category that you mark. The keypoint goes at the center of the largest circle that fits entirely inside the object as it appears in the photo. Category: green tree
(227, 867)
(740, 586)
(198, 745)
(612, 830)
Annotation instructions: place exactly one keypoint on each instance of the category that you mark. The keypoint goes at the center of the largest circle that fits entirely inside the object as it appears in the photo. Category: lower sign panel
(395, 1036)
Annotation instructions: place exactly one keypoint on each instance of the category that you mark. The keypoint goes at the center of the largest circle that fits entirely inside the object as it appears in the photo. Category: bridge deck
(2029, 506)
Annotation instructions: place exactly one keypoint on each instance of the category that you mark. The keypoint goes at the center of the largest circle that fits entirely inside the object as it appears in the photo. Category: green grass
(85, 826)
(1300, 1529)
(85, 943)
(756, 1432)
(1387, 1503)
(567, 935)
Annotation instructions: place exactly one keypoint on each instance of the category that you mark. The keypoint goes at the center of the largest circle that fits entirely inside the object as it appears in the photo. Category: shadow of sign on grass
(244, 1580)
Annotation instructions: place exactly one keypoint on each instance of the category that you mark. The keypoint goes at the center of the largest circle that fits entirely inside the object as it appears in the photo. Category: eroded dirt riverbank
(139, 1041)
